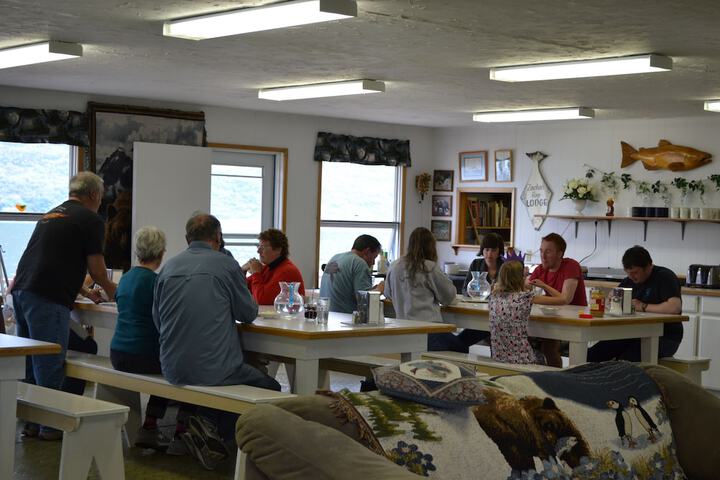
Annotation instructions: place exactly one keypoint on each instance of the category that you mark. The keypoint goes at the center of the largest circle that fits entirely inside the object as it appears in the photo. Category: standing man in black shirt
(67, 243)
(654, 289)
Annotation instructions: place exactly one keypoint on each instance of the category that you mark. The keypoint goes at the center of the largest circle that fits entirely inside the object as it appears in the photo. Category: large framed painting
(113, 129)
(474, 166)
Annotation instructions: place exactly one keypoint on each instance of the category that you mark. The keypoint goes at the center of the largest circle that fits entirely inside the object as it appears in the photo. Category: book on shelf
(487, 214)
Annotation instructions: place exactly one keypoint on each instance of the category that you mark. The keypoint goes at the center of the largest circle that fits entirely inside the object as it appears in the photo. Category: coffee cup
(684, 212)
(675, 212)
(707, 213)
(695, 213)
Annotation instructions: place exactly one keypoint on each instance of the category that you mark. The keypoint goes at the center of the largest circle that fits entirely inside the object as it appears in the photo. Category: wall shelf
(586, 218)
(481, 211)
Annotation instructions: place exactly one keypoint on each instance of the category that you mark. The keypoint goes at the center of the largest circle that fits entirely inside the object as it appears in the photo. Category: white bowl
(549, 310)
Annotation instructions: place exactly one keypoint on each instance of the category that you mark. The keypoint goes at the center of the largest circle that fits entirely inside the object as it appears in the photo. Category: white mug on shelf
(675, 212)
(695, 213)
(684, 212)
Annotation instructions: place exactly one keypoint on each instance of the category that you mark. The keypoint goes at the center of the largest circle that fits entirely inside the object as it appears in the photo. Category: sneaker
(151, 438)
(31, 429)
(177, 446)
(50, 434)
(204, 443)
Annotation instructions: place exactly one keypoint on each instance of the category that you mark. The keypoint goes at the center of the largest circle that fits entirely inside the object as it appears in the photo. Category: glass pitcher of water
(289, 301)
(478, 287)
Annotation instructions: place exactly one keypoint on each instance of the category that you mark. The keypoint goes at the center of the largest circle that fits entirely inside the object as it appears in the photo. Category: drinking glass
(323, 310)
(310, 303)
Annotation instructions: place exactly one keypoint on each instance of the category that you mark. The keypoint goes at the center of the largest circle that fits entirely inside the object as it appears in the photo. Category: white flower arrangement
(579, 189)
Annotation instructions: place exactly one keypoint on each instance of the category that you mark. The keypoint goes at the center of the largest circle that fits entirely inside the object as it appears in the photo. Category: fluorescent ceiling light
(535, 115)
(712, 105)
(601, 67)
(266, 17)
(333, 89)
(39, 53)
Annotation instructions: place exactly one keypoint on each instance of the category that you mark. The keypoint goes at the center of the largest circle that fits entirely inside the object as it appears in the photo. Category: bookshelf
(481, 211)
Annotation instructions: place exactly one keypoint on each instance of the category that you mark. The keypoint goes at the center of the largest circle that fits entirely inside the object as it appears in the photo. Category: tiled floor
(39, 460)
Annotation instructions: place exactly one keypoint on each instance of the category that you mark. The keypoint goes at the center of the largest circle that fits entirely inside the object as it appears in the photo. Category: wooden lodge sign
(536, 194)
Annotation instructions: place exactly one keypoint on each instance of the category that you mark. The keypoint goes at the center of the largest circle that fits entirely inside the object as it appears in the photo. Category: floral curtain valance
(27, 125)
(332, 147)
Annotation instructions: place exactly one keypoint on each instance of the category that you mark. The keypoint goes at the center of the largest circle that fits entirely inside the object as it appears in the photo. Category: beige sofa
(301, 438)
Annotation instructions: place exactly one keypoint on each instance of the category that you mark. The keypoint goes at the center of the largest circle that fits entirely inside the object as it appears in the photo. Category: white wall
(597, 143)
(297, 133)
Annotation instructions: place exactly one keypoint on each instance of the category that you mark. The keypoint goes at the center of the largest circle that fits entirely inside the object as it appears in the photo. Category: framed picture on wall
(442, 205)
(474, 166)
(503, 165)
(443, 180)
(441, 229)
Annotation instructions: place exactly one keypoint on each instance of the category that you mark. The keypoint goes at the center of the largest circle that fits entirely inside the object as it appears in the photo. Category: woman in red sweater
(273, 267)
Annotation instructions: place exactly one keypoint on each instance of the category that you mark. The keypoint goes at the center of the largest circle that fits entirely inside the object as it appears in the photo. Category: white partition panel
(170, 182)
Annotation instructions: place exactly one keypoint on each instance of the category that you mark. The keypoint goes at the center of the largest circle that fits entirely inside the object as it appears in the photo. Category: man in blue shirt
(199, 294)
(348, 272)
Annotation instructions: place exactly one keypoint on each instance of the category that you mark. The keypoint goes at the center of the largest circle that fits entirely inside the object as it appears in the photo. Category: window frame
(400, 185)
(77, 157)
(279, 186)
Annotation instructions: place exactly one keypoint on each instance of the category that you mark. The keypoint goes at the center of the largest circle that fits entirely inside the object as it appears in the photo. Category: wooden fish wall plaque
(536, 195)
(665, 156)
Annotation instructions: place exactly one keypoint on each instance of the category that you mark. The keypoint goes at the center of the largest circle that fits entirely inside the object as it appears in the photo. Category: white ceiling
(433, 55)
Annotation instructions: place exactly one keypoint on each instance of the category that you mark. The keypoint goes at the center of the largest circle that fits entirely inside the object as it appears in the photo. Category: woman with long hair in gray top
(417, 288)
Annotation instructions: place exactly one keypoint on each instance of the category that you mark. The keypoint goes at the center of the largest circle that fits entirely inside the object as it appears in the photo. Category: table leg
(324, 379)
(409, 356)
(8, 422)
(11, 368)
(306, 376)
(578, 353)
(649, 347)
(290, 372)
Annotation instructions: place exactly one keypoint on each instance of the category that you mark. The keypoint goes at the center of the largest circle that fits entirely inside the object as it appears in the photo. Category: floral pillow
(431, 382)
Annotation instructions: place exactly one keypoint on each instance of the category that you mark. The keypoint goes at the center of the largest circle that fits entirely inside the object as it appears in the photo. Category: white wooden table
(306, 343)
(567, 326)
(13, 351)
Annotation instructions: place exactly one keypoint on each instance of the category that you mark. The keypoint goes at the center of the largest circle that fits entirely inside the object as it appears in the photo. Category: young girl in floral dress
(509, 306)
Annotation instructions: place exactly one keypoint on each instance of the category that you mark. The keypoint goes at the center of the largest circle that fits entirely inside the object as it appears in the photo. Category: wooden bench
(125, 388)
(691, 367)
(486, 365)
(91, 429)
(360, 365)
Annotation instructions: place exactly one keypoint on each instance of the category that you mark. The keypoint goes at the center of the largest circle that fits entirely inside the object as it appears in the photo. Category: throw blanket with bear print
(591, 422)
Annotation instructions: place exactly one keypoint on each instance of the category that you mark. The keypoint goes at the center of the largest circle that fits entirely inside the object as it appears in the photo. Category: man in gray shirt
(199, 294)
(348, 272)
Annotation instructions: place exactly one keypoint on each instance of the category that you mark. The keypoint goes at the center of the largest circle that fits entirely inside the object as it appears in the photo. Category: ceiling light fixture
(712, 105)
(601, 67)
(266, 17)
(332, 89)
(39, 53)
(535, 115)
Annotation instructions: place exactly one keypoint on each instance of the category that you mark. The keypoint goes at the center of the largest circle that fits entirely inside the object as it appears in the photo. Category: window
(34, 179)
(359, 199)
(242, 197)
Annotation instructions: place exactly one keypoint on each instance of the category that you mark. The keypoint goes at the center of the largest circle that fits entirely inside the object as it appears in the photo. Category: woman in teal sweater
(135, 346)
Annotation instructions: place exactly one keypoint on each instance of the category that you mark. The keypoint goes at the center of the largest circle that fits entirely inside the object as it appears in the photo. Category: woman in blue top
(135, 347)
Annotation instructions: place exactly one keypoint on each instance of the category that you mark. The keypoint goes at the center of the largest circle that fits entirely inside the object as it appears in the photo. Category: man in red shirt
(560, 277)
(562, 281)
(273, 267)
